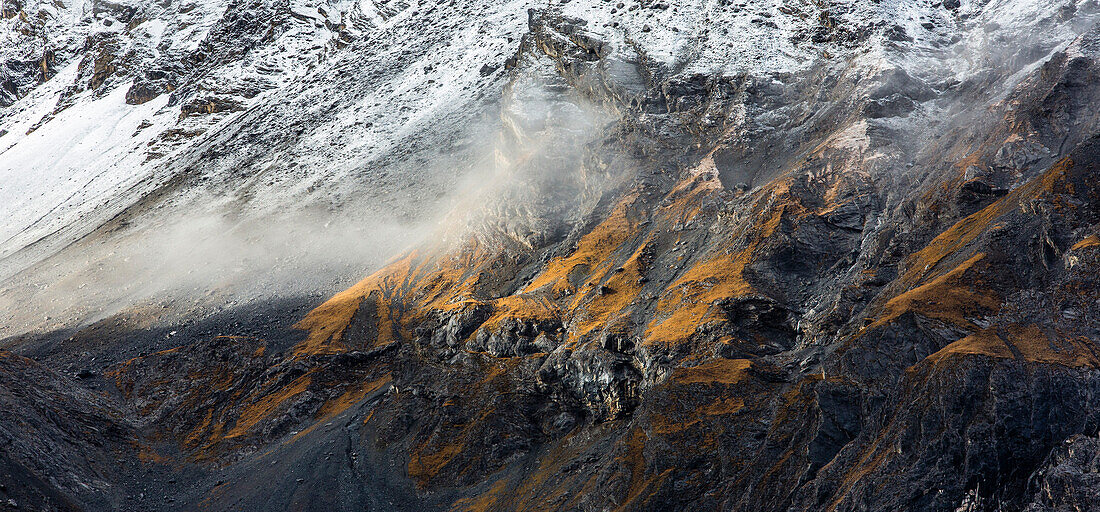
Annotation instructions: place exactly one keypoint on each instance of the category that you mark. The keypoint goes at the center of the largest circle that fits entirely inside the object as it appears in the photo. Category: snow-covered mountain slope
(692, 254)
(375, 110)
(262, 109)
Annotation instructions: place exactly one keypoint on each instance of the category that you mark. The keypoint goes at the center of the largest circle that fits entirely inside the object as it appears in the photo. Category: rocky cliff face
(781, 256)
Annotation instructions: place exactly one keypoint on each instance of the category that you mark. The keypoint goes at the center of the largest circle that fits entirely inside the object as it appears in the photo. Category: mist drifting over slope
(195, 257)
(577, 255)
(74, 159)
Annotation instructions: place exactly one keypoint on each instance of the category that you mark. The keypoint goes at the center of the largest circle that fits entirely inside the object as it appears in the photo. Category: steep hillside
(641, 256)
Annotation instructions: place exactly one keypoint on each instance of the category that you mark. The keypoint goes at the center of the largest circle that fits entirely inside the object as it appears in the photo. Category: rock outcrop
(864, 285)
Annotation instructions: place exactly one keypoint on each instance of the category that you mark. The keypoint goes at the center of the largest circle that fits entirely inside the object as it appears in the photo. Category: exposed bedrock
(854, 287)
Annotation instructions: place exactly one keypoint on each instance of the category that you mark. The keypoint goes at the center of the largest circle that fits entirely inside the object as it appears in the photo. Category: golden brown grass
(1032, 343)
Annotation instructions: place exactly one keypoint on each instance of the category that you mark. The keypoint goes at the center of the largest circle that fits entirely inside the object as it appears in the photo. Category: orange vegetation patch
(962, 233)
(593, 250)
(352, 396)
(689, 301)
(327, 323)
(266, 406)
(700, 397)
(195, 438)
(688, 195)
(872, 459)
(623, 287)
(1089, 241)
(535, 490)
(635, 456)
(430, 459)
(675, 423)
(953, 298)
(486, 501)
(425, 464)
(637, 494)
(723, 407)
(397, 296)
(449, 282)
(609, 288)
(1030, 341)
(522, 307)
(718, 371)
(947, 296)
(149, 455)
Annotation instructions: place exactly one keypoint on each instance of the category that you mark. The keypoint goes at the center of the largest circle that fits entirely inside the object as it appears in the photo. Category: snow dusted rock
(755, 255)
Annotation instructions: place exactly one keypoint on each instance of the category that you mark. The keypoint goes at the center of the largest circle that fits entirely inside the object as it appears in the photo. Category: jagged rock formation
(863, 279)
